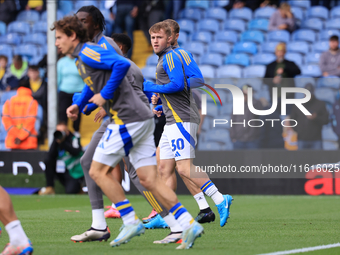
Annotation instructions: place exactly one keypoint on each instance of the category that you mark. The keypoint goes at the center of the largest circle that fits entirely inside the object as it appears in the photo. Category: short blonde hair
(281, 46)
(285, 6)
(161, 25)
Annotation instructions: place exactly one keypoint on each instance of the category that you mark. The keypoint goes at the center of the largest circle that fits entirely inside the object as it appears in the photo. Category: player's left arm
(173, 67)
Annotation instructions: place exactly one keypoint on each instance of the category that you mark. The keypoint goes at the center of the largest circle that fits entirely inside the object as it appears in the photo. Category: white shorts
(178, 141)
(135, 140)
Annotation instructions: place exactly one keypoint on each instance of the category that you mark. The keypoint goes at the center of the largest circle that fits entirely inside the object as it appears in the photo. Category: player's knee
(183, 171)
(147, 182)
(95, 175)
(84, 163)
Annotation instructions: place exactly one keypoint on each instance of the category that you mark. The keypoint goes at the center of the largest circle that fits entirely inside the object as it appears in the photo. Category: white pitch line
(315, 248)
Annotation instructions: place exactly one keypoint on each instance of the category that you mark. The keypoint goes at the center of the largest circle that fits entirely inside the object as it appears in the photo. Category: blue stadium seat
(202, 4)
(149, 73)
(106, 14)
(39, 39)
(7, 95)
(6, 50)
(218, 135)
(255, 83)
(229, 71)
(329, 145)
(252, 36)
(319, 12)
(320, 46)
(219, 47)
(301, 81)
(220, 3)
(186, 25)
(258, 24)
(210, 25)
(313, 24)
(304, 35)
(40, 27)
(209, 146)
(264, 13)
(235, 24)
(245, 47)
(12, 39)
(65, 6)
(311, 70)
(295, 57)
(207, 71)
(237, 59)
(333, 24)
(298, 47)
(19, 27)
(305, 4)
(254, 71)
(268, 47)
(297, 12)
(328, 133)
(196, 48)
(313, 58)
(326, 34)
(79, 4)
(183, 38)
(60, 15)
(3, 28)
(191, 13)
(278, 36)
(219, 14)
(325, 94)
(213, 59)
(226, 36)
(263, 58)
(243, 13)
(28, 16)
(202, 36)
(27, 50)
(335, 12)
(332, 82)
(152, 60)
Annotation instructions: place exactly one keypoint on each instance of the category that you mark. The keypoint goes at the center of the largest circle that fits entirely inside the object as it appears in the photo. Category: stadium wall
(29, 165)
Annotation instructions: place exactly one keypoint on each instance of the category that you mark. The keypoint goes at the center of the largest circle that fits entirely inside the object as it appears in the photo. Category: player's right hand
(157, 113)
(154, 98)
(72, 112)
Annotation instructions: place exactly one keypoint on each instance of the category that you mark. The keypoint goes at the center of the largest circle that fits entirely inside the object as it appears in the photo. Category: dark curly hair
(96, 15)
(70, 25)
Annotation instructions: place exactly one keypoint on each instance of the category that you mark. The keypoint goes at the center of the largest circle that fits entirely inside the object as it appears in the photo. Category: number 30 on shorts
(177, 144)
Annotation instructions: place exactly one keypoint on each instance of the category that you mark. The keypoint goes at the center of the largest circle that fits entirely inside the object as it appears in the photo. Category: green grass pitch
(258, 224)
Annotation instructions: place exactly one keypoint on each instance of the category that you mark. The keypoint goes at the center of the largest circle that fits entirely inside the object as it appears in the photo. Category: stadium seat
(311, 70)
(226, 36)
(333, 24)
(245, 47)
(254, 71)
(335, 12)
(12, 39)
(278, 36)
(304, 35)
(191, 14)
(183, 38)
(229, 71)
(210, 25)
(186, 25)
(19, 27)
(325, 94)
(305, 4)
(258, 24)
(6, 50)
(237, 59)
(297, 12)
(313, 58)
(263, 58)
(149, 73)
(213, 59)
(328, 133)
(329, 145)
(27, 50)
(252, 36)
(152, 60)
(202, 36)
(235, 24)
(255, 83)
(219, 14)
(39, 39)
(220, 3)
(320, 46)
(79, 4)
(202, 4)
(313, 24)
(3, 28)
(207, 71)
(209, 146)
(196, 48)
(326, 34)
(7, 95)
(298, 47)
(268, 47)
(60, 15)
(295, 57)
(65, 6)
(264, 13)
(301, 81)
(40, 27)
(332, 82)
(219, 47)
(243, 13)
(28, 16)
(319, 12)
